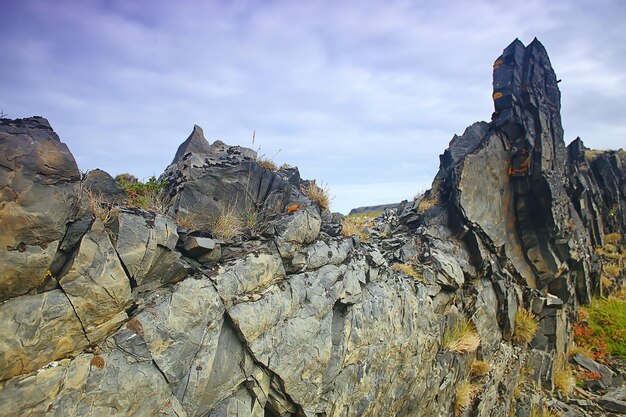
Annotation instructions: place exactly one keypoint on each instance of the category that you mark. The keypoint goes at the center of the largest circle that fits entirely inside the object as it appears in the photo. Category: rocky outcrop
(136, 313)
(39, 180)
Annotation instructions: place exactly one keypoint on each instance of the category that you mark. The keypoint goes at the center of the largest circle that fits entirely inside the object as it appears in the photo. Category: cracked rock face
(139, 317)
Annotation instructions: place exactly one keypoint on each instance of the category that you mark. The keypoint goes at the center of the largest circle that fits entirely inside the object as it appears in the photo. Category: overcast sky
(361, 95)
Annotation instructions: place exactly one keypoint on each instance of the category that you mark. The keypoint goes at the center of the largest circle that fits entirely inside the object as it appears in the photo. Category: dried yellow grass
(267, 164)
(575, 349)
(564, 379)
(461, 338)
(188, 222)
(525, 326)
(350, 228)
(612, 269)
(612, 238)
(319, 195)
(542, 411)
(480, 368)
(426, 203)
(100, 206)
(226, 225)
(408, 270)
(465, 394)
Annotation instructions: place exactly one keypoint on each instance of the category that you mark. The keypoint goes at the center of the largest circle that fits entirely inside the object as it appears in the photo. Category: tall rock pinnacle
(195, 143)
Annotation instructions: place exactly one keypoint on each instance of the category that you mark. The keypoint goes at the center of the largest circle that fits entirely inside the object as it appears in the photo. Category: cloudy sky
(361, 95)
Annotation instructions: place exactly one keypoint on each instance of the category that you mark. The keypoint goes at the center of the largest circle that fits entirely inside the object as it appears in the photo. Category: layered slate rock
(145, 243)
(96, 284)
(38, 183)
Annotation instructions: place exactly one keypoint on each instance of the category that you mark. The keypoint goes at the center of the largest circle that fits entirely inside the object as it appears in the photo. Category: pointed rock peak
(195, 143)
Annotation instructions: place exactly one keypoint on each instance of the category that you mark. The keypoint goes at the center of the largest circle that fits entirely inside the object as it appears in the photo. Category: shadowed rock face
(139, 317)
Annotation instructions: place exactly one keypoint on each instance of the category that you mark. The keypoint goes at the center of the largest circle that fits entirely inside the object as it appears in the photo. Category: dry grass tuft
(465, 394)
(267, 164)
(189, 222)
(543, 411)
(408, 270)
(350, 228)
(525, 326)
(426, 203)
(99, 206)
(480, 368)
(564, 379)
(319, 195)
(612, 238)
(227, 225)
(612, 269)
(574, 349)
(462, 337)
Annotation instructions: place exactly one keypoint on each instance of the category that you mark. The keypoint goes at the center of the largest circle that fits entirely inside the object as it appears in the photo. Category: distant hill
(371, 209)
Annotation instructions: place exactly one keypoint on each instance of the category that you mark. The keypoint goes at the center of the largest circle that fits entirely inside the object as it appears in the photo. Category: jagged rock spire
(195, 143)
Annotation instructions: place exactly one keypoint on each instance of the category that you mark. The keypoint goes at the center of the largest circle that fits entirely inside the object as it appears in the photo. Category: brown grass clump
(462, 337)
(426, 203)
(525, 326)
(564, 379)
(319, 195)
(612, 238)
(542, 411)
(407, 269)
(99, 206)
(465, 394)
(188, 222)
(480, 368)
(267, 164)
(612, 269)
(352, 228)
(227, 225)
(574, 349)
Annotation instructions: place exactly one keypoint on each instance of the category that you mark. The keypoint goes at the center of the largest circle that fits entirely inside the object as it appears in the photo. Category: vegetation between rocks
(319, 195)
(525, 326)
(464, 396)
(462, 337)
(147, 195)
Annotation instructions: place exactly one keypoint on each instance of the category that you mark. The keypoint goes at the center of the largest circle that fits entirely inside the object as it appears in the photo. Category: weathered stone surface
(145, 244)
(593, 366)
(320, 253)
(614, 400)
(252, 274)
(38, 183)
(305, 334)
(96, 284)
(195, 246)
(101, 183)
(37, 329)
(111, 384)
(23, 271)
(175, 326)
(296, 230)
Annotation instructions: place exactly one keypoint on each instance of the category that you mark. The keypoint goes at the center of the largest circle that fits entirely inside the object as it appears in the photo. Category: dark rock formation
(101, 183)
(137, 313)
(39, 180)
